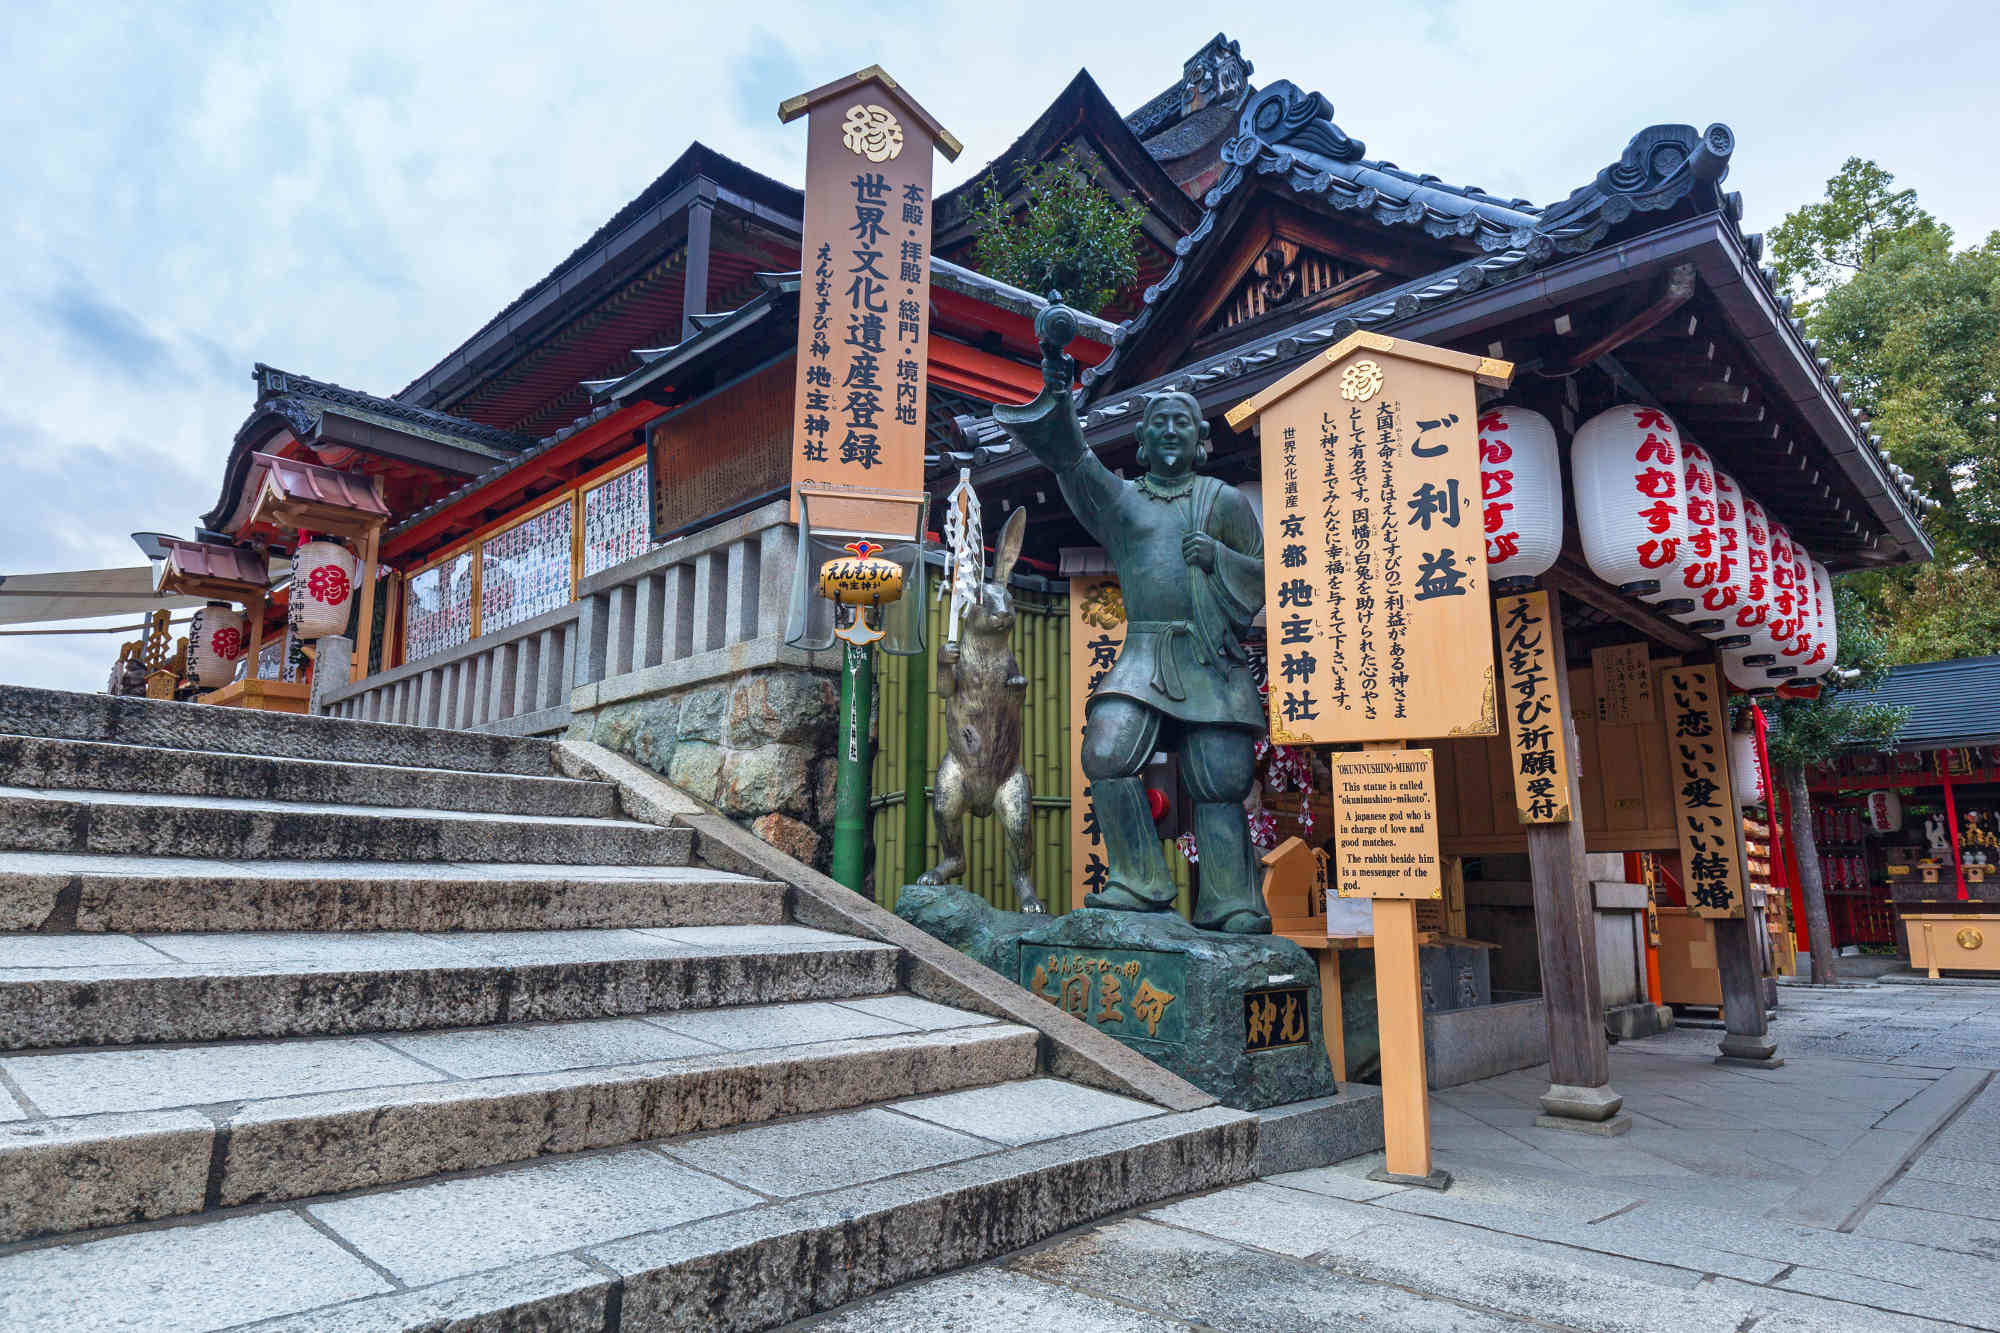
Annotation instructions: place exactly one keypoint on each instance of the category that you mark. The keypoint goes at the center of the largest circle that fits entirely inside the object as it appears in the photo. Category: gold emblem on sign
(1104, 606)
(1361, 381)
(1970, 938)
(872, 132)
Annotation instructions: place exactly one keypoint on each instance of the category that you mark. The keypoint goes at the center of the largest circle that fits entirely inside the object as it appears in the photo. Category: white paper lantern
(1630, 511)
(322, 584)
(1701, 558)
(217, 640)
(1745, 773)
(1731, 591)
(1754, 616)
(1520, 481)
(1798, 603)
(1885, 812)
(1827, 649)
(1751, 675)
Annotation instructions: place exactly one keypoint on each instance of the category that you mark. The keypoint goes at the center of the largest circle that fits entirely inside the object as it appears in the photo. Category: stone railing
(514, 681)
(701, 608)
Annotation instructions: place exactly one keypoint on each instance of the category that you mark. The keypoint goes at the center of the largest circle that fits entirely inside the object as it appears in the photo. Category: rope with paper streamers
(965, 539)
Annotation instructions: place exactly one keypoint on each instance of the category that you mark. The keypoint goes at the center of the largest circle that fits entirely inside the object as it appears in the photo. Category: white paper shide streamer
(965, 538)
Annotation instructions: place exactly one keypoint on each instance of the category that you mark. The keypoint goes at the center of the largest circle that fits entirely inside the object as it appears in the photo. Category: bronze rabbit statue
(982, 688)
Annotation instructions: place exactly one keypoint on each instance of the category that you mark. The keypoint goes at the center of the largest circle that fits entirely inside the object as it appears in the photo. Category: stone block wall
(758, 746)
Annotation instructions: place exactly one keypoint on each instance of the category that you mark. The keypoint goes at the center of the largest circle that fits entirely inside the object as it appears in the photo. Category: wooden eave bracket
(793, 107)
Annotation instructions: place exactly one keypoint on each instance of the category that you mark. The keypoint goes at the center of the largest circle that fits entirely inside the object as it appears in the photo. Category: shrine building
(575, 522)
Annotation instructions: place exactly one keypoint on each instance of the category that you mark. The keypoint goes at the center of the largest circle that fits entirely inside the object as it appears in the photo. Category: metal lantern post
(849, 588)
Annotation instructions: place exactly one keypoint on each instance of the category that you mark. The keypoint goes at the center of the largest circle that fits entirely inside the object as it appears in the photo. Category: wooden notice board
(1385, 825)
(720, 453)
(1374, 554)
(1536, 752)
(1706, 816)
(1096, 633)
(1621, 679)
(864, 296)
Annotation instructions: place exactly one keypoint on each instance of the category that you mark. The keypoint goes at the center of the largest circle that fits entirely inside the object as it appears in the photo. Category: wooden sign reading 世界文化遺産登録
(1705, 812)
(1537, 749)
(1621, 677)
(1096, 633)
(1374, 552)
(1385, 825)
(864, 295)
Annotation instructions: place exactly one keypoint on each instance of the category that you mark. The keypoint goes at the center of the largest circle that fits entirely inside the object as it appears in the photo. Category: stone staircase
(317, 1024)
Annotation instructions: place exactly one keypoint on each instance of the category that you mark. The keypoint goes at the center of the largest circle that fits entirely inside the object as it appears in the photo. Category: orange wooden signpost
(864, 299)
(1381, 631)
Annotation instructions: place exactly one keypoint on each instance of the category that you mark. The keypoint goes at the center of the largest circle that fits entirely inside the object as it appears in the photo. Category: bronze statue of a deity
(1190, 561)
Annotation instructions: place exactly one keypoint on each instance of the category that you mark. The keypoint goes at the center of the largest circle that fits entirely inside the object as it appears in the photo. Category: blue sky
(350, 190)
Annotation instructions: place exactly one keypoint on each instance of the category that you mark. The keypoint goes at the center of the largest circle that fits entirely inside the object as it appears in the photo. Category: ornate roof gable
(1288, 134)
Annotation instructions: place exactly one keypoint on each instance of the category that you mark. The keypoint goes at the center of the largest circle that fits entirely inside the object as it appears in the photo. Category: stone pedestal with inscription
(1238, 1016)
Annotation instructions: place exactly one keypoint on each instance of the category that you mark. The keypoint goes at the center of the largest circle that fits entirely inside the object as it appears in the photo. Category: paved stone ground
(1857, 1187)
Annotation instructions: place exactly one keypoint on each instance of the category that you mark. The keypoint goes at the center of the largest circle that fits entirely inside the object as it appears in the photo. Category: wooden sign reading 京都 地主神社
(1374, 550)
(865, 284)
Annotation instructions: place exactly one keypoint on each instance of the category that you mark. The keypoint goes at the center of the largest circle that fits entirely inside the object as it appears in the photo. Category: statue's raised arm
(1048, 428)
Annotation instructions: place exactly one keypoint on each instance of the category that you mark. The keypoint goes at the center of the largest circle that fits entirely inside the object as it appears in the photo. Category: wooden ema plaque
(1536, 751)
(1374, 555)
(1096, 633)
(1705, 810)
(865, 284)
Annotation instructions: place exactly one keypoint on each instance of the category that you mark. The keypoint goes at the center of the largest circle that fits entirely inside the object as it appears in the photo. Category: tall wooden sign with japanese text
(1096, 633)
(1374, 556)
(864, 296)
(1537, 751)
(1710, 826)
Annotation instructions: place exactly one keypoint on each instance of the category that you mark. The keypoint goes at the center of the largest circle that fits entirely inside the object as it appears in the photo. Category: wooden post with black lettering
(1579, 1095)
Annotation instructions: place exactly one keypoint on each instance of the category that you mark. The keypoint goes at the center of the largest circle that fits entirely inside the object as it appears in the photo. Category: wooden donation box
(1381, 632)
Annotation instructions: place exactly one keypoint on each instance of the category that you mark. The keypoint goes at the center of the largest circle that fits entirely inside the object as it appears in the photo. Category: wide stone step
(238, 829)
(32, 761)
(134, 1134)
(74, 891)
(114, 990)
(64, 714)
(744, 1229)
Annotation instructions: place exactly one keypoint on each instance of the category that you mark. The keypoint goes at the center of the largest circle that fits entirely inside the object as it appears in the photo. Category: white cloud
(351, 190)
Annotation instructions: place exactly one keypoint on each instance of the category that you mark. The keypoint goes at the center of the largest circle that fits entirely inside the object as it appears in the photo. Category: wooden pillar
(1579, 1095)
(1746, 1038)
(255, 606)
(365, 631)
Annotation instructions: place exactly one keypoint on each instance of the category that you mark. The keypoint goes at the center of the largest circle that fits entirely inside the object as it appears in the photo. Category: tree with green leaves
(1824, 244)
(1071, 236)
(1912, 326)
(1807, 732)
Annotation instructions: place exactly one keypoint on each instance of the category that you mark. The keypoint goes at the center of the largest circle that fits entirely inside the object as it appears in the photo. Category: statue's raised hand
(1198, 549)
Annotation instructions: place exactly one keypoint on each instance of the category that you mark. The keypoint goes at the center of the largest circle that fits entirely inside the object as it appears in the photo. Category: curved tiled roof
(1289, 135)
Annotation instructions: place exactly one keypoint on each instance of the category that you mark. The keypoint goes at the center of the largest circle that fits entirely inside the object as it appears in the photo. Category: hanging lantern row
(217, 640)
(1661, 523)
(322, 581)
